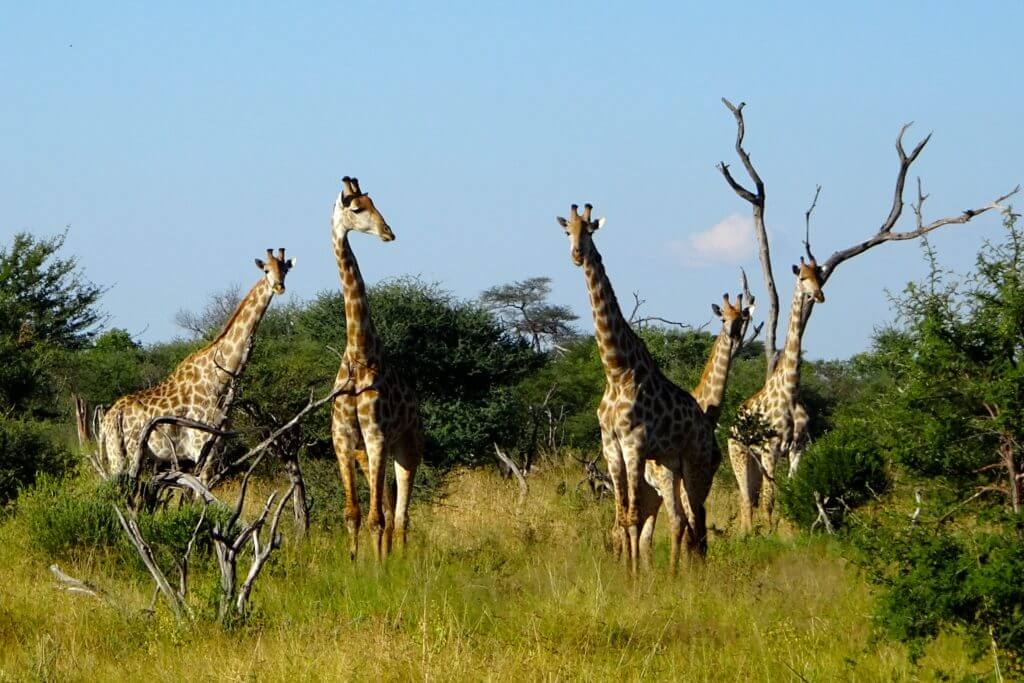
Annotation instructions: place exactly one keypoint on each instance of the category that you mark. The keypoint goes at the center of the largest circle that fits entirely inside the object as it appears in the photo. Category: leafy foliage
(951, 413)
(845, 468)
(28, 450)
(44, 297)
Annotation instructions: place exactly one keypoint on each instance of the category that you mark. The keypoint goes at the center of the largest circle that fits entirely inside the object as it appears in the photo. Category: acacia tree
(524, 309)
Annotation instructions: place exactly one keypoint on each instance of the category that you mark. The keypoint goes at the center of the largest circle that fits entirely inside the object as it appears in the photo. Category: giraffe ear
(561, 221)
(716, 310)
(796, 269)
(292, 261)
(260, 264)
(596, 225)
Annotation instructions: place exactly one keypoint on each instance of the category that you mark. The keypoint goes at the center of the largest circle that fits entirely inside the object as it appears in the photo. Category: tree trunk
(81, 420)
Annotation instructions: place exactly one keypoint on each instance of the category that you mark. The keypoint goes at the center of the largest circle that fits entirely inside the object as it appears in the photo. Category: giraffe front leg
(375, 453)
(634, 465)
(748, 479)
(345, 439)
(616, 472)
(407, 459)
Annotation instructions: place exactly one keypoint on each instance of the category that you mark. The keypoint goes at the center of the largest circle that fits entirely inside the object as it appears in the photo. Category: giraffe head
(275, 268)
(580, 228)
(354, 210)
(734, 318)
(808, 275)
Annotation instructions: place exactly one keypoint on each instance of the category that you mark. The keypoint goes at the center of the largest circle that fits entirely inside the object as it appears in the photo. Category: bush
(67, 518)
(28, 450)
(937, 580)
(844, 464)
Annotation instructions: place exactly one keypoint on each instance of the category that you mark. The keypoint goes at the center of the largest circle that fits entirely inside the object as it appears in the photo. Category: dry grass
(484, 593)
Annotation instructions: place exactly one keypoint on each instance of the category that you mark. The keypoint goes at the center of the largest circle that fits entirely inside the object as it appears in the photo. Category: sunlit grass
(484, 592)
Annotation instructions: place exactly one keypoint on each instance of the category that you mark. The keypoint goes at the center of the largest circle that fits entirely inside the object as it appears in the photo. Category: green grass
(483, 593)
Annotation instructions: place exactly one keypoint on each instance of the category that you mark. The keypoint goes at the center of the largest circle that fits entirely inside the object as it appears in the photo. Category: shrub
(66, 518)
(27, 450)
(62, 518)
(844, 464)
(937, 580)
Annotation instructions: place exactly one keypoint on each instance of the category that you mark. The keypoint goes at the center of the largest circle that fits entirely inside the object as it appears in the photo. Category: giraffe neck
(619, 347)
(710, 391)
(788, 368)
(362, 344)
(229, 352)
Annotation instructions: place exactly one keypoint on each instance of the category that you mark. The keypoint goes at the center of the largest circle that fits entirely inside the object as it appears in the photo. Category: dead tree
(230, 539)
(286, 449)
(885, 232)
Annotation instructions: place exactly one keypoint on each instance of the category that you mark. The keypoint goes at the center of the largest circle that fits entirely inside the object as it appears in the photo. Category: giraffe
(195, 389)
(381, 417)
(777, 406)
(643, 415)
(709, 393)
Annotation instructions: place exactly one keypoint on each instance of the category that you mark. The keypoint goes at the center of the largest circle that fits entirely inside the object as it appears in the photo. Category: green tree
(45, 297)
(524, 308)
(950, 411)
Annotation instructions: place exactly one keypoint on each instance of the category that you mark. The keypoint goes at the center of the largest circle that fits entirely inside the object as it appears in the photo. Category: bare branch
(131, 529)
(636, 307)
(262, 554)
(751, 197)
(807, 224)
(508, 462)
(346, 389)
(154, 422)
(184, 481)
(757, 202)
(822, 514)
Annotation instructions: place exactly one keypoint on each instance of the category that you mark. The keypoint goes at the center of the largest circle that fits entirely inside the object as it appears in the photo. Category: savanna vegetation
(899, 556)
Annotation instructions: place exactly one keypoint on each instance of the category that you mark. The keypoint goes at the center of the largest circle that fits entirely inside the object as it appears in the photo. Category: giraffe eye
(356, 209)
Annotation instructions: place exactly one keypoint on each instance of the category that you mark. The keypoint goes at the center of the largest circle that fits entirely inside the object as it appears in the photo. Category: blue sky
(181, 141)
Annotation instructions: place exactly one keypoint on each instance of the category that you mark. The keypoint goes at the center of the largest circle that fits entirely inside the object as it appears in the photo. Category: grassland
(484, 593)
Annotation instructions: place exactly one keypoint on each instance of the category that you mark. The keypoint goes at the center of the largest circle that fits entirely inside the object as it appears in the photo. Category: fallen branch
(73, 585)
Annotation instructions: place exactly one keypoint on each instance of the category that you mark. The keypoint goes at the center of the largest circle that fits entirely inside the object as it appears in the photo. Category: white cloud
(729, 242)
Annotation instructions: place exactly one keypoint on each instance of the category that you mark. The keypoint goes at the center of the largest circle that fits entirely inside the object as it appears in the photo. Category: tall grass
(485, 593)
